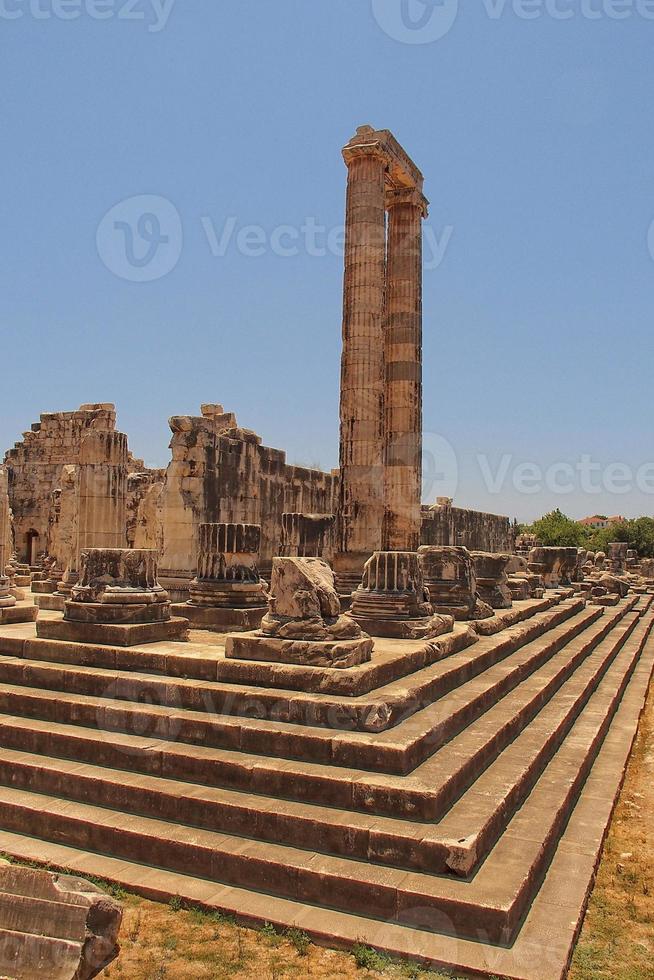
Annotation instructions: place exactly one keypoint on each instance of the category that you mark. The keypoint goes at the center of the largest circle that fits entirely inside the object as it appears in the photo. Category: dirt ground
(160, 942)
(617, 940)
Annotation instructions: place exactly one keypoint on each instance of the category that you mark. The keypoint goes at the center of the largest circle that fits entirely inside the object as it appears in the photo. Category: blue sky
(208, 116)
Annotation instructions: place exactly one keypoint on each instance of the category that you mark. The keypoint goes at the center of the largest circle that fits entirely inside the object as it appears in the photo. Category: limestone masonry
(307, 698)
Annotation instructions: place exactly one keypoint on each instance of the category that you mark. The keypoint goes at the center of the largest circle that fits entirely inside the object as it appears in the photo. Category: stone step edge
(339, 747)
(325, 825)
(368, 792)
(454, 901)
(193, 662)
(467, 858)
(392, 703)
(545, 943)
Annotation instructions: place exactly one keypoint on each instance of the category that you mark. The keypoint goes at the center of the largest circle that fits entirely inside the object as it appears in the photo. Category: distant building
(599, 521)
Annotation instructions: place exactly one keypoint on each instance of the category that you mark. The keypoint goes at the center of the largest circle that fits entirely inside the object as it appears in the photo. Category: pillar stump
(617, 557)
(303, 625)
(556, 566)
(117, 601)
(392, 600)
(228, 594)
(308, 536)
(492, 580)
(449, 575)
(10, 610)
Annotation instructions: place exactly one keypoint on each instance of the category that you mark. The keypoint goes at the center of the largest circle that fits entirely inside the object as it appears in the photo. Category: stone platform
(340, 654)
(446, 801)
(22, 612)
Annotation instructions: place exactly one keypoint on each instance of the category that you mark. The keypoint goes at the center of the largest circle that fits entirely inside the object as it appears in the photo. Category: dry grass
(617, 940)
(162, 942)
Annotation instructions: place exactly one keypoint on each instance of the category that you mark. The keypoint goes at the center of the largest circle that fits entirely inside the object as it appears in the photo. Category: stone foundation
(228, 592)
(117, 601)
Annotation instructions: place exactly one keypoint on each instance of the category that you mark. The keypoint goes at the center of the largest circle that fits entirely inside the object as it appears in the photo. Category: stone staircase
(422, 803)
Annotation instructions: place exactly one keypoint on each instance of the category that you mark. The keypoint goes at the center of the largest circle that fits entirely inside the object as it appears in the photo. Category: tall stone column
(5, 523)
(100, 497)
(361, 501)
(403, 369)
(102, 491)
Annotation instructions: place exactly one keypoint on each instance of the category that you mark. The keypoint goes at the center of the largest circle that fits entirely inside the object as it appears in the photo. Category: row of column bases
(401, 594)
(299, 619)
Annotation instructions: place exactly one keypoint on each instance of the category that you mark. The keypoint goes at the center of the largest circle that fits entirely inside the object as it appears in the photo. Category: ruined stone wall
(221, 473)
(139, 485)
(443, 524)
(35, 467)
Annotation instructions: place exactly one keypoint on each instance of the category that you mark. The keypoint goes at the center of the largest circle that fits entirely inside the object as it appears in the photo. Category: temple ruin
(314, 699)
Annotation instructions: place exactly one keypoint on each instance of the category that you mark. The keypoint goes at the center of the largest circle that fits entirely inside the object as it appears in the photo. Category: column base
(113, 634)
(464, 613)
(44, 588)
(122, 614)
(53, 602)
(424, 628)
(18, 614)
(220, 619)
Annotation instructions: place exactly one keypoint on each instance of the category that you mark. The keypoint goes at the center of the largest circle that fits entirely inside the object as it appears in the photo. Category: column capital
(407, 195)
(401, 171)
(358, 151)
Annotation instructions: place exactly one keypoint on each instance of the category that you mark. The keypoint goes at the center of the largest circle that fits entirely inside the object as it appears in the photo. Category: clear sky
(173, 191)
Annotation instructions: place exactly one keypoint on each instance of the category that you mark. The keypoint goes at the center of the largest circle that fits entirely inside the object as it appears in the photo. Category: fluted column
(403, 369)
(5, 528)
(102, 491)
(361, 504)
(100, 499)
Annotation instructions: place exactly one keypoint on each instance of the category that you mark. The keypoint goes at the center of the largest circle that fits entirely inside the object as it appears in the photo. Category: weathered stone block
(55, 924)
(304, 624)
(393, 601)
(492, 580)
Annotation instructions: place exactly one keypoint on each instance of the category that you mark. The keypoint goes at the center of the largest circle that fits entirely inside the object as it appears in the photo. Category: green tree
(557, 530)
(638, 533)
